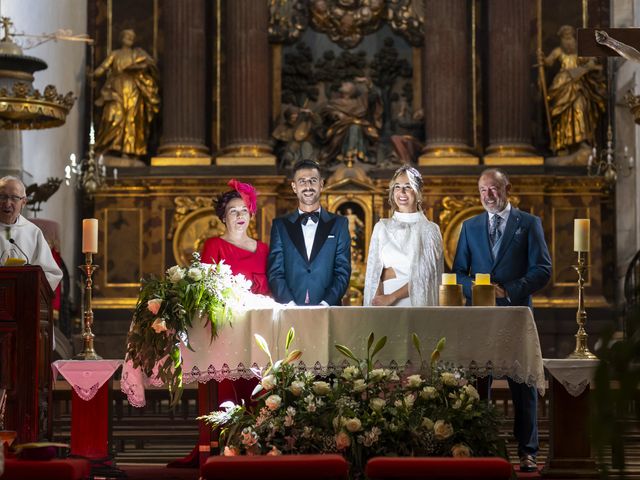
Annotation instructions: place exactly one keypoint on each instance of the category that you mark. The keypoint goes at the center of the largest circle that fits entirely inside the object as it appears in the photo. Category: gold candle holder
(451, 296)
(88, 352)
(483, 295)
(582, 350)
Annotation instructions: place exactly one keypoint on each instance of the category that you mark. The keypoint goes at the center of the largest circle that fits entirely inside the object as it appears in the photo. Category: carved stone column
(447, 86)
(509, 73)
(183, 85)
(247, 83)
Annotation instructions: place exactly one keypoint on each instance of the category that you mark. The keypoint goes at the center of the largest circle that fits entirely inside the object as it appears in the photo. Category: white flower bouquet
(167, 308)
(360, 412)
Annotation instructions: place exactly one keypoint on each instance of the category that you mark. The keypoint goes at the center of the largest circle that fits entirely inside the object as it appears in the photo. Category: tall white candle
(90, 235)
(581, 236)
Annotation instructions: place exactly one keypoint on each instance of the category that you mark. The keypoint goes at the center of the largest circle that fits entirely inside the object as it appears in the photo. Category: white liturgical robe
(30, 242)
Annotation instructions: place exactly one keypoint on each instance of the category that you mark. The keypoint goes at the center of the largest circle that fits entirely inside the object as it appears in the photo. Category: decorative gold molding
(180, 161)
(267, 160)
(515, 160)
(593, 301)
(437, 160)
(115, 303)
(185, 206)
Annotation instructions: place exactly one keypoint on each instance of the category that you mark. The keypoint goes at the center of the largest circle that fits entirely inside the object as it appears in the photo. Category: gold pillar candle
(581, 235)
(450, 296)
(483, 295)
(449, 279)
(483, 279)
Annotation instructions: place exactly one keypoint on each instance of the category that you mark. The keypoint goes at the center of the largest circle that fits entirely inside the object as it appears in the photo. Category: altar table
(502, 341)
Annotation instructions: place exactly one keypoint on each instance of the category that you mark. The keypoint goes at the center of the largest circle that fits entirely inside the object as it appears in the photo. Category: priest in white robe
(19, 238)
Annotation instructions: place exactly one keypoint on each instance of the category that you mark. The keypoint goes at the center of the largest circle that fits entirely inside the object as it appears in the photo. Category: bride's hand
(382, 300)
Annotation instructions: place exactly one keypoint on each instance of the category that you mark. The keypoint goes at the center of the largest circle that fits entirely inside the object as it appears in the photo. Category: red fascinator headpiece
(247, 193)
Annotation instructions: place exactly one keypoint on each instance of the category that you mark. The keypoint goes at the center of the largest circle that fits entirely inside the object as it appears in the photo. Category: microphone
(13, 242)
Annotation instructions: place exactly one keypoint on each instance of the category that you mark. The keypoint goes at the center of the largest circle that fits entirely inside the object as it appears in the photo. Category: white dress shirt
(309, 232)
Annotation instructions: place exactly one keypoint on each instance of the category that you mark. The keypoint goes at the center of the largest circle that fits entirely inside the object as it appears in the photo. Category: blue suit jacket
(325, 275)
(522, 265)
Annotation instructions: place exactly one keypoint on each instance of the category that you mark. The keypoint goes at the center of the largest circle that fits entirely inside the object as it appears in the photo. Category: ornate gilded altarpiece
(154, 217)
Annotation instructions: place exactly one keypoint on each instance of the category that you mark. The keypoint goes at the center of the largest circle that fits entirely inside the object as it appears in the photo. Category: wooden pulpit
(26, 336)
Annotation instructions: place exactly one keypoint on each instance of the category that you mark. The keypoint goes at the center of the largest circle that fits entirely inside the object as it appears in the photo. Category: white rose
(349, 372)
(460, 450)
(273, 402)
(377, 404)
(175, 274)
(353, 425)
(449, 379)
(414, 381)
(195, 274)
(321, 388)
(154, 305)
(343, 441)
(471, 392)
(428, 393)
(457, 404)
(359, 385)
(159, 325)
(296, 387)
(376, 374)
(427, 423)
(442, 430)
(268, 382)
(409, 400)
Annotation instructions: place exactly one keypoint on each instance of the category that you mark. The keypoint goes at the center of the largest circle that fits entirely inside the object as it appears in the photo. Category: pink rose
(343, 440)
(154, 305)
(159, 325)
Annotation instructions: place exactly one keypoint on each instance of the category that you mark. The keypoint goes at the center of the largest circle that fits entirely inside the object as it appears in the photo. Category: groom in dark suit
(508, 244)
(310, 249)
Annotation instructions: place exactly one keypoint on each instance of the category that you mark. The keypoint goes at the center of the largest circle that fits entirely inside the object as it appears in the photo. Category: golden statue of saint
(129, 98)
(576, 95)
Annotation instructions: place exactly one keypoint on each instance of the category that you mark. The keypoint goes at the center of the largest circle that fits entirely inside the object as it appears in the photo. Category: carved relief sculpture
(129, 98)
(576, 95)
(354, 121)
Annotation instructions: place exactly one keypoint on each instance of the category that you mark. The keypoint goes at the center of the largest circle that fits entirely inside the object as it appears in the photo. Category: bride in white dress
(405, 259)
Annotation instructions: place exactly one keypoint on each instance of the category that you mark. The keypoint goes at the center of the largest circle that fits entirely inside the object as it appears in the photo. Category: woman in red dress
(242, 253)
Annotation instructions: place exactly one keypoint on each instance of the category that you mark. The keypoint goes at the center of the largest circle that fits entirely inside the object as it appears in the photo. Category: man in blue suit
(310, 249)
(509, 244)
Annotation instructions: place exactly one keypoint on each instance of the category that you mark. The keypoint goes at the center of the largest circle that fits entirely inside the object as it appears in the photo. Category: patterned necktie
(494, 230)
(306, 216)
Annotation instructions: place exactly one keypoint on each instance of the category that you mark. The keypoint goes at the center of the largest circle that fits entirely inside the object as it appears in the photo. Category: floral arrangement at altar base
(168, 307)
(362, 412)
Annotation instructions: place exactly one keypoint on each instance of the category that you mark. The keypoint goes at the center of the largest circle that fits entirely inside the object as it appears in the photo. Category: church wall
(44, 153)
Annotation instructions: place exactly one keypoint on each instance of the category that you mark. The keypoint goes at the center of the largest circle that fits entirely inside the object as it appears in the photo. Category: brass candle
(582, 350)
(88, 352)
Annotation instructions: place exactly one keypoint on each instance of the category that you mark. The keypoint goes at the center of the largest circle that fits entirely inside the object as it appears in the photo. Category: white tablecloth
(574, 374)
(498, 340)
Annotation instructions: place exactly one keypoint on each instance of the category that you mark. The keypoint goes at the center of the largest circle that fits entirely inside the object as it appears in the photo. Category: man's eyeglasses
(11, 198)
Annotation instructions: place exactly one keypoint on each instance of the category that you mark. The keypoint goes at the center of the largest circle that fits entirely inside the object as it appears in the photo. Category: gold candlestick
(88, 352)
(582, 350)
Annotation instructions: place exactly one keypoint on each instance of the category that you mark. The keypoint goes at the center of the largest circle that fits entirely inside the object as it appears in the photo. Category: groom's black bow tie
(306, 216)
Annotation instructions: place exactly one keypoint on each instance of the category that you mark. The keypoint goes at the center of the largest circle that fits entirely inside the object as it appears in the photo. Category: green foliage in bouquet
(361, 412)
(167, 308)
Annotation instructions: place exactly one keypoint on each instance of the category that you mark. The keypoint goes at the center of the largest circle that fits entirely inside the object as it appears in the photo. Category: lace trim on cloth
(575, 375)
(421, 237)
(86, 377)
(133, 385)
